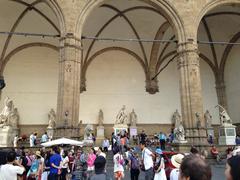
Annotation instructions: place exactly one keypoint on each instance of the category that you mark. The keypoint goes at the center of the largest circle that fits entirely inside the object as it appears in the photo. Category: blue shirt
(55, 159)
(44, 138)
(162, 137)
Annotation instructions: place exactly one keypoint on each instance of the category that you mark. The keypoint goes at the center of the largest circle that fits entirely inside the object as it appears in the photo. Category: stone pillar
(221, 93)
(191, 93)
(68, 87)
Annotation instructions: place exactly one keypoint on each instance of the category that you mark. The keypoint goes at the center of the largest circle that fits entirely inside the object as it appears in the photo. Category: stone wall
(115, 77)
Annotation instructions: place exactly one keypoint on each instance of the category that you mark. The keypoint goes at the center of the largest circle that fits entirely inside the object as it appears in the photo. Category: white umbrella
(62, 141)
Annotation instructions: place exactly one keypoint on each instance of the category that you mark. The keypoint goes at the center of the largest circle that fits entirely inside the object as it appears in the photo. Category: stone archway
(218, 55)
(163, 8)
(161, 28)
(163, 5)
(59, 14)
(208, 7)
(30, 18)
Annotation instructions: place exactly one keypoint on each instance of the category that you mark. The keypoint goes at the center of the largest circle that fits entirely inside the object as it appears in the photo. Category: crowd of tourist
(83, 163)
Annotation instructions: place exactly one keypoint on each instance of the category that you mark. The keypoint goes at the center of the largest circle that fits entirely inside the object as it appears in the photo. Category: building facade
(78, 75)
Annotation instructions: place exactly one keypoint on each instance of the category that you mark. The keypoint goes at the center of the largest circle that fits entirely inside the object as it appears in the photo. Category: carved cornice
(152, 85)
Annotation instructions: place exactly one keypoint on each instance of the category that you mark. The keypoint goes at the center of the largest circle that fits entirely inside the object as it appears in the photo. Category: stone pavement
(217, 170)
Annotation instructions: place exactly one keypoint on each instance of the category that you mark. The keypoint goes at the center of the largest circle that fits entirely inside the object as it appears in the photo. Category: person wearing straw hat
(36, 169)
(176, 161)
(159, 166)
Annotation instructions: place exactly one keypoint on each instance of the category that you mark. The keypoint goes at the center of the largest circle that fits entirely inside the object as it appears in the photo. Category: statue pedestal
(7, 134)
(50, 132)
(227, 134)
(88, 142)
(179, 141)
(100, 135)
(133, 131)
(120, 128)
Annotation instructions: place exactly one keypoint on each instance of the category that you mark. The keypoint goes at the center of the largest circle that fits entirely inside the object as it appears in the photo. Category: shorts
(119, 174)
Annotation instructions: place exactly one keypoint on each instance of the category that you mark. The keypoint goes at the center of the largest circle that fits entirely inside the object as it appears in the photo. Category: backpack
(134, 163)
(24, 161)
(29, 161)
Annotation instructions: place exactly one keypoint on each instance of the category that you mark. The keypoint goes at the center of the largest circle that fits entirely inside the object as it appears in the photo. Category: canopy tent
(62, 141)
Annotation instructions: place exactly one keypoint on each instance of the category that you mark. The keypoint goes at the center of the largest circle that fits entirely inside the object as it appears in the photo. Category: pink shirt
(91, 159)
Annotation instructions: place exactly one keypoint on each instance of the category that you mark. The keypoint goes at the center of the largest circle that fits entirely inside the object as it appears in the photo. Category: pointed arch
(22, 47)
(170, 13)
(208, 7)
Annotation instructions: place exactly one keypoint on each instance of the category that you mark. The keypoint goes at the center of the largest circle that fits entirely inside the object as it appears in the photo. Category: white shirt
(9, 172)
(31, 140)
(147, 158)
(117, 158)
(105, 143)
(174, 174)
(65, 162)
(15, 141)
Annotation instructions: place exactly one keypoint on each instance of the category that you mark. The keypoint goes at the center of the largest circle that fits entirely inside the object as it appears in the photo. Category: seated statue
(88, 132)
(7, 110)
(179, 133)
(121, 118)
(51, 119)
(14, 118)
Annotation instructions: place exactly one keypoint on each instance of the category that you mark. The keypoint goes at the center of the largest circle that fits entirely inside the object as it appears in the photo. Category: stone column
(68, 87)
(191, 93)
(221, 93)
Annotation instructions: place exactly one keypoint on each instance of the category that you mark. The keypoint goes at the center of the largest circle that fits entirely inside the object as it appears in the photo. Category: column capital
(187, 54)
(70, 40)
(187, 47)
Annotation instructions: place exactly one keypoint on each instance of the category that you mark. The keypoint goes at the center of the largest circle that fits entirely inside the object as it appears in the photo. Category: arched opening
(222, 59)
(134, 63)
(29, 63)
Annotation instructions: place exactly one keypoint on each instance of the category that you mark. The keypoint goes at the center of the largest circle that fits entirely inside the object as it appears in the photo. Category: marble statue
(51, 119)
(176, 118)
(100, 118)
(121, 117)
(179, 132)
(133, 118)
(198, 120)
(7, 110)
(14, 118)
(88, 132)
(224, 117)
(208, 119)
